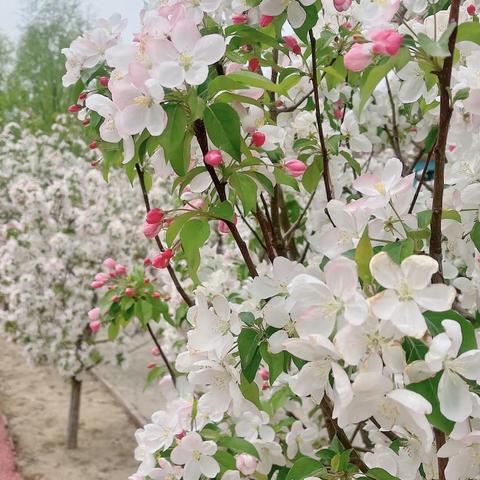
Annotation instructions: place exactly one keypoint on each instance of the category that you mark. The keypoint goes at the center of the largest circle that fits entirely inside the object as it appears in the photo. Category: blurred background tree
(32, 70)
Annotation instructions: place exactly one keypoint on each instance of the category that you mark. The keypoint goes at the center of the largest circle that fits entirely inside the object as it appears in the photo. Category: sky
(10, 15)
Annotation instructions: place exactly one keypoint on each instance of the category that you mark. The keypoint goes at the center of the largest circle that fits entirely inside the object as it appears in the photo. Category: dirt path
(35, 402)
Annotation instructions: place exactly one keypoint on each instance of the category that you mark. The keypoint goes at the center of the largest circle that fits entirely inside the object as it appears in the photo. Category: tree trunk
(74, 413)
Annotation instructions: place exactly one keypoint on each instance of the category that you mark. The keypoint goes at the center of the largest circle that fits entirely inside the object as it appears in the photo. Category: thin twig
(421, 180)
(318, 115)
(162, 354)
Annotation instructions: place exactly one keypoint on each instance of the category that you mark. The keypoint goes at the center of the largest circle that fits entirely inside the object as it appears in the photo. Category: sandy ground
(35, 403)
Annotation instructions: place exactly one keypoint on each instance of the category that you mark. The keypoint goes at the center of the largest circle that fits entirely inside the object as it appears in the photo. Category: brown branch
(293, 107)
(326, 171)
(446, 109)
(162, 354)
(267, 234)
(170, 269)
(201, 135)
(396, 135)
(421, 180)
(334, 429)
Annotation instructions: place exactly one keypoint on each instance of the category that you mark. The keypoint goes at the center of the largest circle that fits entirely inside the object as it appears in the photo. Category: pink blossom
(120, 269)
(94, 314)
(386, 41)
(264, 374)
(95, 326)
(96, 284)
(295, 167)
(163, 260)
(155, 215)
(74, 108)
(358, 58)
(239, 18)
(155, 351)
(471, 9)
(102, 277)
(258, 139)
(292, 44)
(214, 158)
(196, 204)
(104, 81)
(265, 20)
(129, 292)
(223, 226)
(246, 464)
(342, 5)
(150, 230)
(109, 263)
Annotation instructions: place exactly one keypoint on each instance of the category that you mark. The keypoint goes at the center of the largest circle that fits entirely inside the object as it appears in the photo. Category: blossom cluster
(302, 139)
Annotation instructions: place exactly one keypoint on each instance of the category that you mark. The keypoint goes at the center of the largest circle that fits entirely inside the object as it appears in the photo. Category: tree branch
(326, 172)
(162, 354)
(201, 134)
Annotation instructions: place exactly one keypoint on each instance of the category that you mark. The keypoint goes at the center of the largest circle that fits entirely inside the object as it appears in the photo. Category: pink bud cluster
(153, 223)
(385, 41)
(115, 270)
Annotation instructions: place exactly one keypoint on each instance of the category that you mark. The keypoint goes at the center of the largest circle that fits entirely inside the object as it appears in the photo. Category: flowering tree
(303, 137)
(58, 215)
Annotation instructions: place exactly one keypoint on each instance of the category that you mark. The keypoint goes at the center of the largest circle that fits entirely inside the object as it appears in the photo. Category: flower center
(185, 60)
(404, 292)
(143, 101)
(196, 455)
(380, 188)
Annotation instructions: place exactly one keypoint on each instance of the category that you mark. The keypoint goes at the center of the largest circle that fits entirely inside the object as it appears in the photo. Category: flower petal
(385, 270)
(418, 270)
(437, 297)
(454, 397)
(209, 49)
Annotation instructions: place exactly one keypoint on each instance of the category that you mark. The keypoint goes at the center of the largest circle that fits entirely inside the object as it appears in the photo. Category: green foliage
(363, 255)
(304, 467)
(193, 236)
(475, 235)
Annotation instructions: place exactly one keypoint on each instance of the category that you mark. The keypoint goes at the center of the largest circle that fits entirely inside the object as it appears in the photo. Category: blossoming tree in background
(58, 215)
(303, 137)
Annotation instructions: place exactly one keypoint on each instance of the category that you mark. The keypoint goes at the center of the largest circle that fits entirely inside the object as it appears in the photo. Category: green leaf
(113, 330)
(175, 139)
(253, 35)
(248, 345)
(398, 251)
(246, 189)
(225, 460)
(311, 177)
(373, 75)
(238, 445)
(193, 236)
(247, 318)
(424, 218)
(285, 179)
(250, 391)
(302, 468)
(223, 128)
(380, 474)
(352, 162)
(177, 225)
(363, 255)
(475, 235)
(469, 31)
(223, 210)
(275, 362)
(153, 374)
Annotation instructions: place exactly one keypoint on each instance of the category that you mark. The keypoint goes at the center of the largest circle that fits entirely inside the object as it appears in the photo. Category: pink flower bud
(265, 386)
(129, 292)
(147, 262)
(265, 20)
(150, 230)
(258, 139)
(155, 351)
(180, 435)
(83, 96)
(253, 64)
(93, 145)
(223, 226)
(196, 204)
(214, 158)
(338, 114)
(239, 18)
(102, 277)
(95, 326)
(264, 374)
(74, 108)
(358, 58)
(292, 44)
(154, 216)
(94, 314)
(386, 41)
(109, 263)
(342, 5)
(120, 269)
(246, 464)
(156, 295)
(116, 298)
(104, 81)
(96, 284)
(295, 167)
(163, 260)
(86, 122)
(151, 365)
(472, 9)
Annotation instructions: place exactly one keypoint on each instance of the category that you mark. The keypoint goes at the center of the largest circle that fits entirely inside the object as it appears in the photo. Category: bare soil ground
(35, 402)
